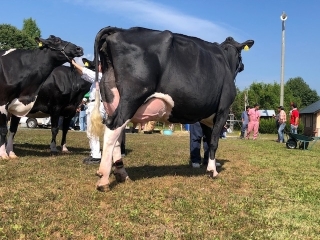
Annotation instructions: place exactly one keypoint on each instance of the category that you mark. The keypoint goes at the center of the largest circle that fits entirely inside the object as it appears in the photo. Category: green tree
(267, 95)
(30, 28)
(237, 106)
(12, 37)
(302, 94)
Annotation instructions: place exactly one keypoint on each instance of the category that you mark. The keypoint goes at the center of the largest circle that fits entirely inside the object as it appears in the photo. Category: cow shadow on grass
(43, 150)
(185, 170)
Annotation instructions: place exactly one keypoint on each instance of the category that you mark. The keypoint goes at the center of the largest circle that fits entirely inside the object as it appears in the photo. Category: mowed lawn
(264, 191)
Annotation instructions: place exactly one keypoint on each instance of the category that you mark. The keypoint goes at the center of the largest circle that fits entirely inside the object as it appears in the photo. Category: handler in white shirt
(94, 142)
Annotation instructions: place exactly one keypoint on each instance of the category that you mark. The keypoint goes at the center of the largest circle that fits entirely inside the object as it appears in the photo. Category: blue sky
(79, 21)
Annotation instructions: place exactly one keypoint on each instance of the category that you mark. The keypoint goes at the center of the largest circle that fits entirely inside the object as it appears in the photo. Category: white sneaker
(218, 164)
(196, 165)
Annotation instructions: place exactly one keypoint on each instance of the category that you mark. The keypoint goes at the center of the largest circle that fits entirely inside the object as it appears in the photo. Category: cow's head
(88, 63)
(233, 51)
(69, 49)
(91, 64)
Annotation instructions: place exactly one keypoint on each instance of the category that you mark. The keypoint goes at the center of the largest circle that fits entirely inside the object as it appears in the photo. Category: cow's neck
(46, 61)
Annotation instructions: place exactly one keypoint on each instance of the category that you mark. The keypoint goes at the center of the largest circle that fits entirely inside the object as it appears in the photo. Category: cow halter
(62, 51)
(240, 60)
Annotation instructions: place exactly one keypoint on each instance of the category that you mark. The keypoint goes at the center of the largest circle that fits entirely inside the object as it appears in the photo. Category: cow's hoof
(121, 175)
(103, 188)
(212, 174)
(4, 157)
(120, 178)
(54, 153)
(13, 155)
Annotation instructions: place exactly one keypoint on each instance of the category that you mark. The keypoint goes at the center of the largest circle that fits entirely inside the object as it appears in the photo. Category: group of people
(250, 122)
(80, 116)
(251, 119)
(281, 119)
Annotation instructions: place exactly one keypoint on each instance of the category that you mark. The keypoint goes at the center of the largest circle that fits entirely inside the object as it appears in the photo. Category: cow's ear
(85, 62)
(40, 42)
(247, 45)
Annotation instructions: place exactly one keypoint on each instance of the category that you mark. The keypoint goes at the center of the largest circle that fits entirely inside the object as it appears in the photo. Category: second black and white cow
(60, 95)
(163, 76)
(22, 73)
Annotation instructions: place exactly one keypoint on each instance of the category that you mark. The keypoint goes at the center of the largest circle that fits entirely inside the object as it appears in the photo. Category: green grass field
(264, 191)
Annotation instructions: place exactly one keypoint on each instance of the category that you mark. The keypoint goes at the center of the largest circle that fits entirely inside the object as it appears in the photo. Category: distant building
(310, 117)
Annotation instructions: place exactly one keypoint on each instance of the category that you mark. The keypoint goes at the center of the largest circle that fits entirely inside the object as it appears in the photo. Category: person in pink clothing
(254, 119)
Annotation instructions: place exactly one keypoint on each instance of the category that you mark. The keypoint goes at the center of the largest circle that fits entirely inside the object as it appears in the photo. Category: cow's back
(178, 65)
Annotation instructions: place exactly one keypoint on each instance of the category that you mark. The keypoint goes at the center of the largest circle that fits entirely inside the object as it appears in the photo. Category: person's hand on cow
(77, 66)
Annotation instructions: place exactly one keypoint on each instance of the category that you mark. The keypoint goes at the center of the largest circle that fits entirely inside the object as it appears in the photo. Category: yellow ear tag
(40, 44)
(86, 64)
(246, 48)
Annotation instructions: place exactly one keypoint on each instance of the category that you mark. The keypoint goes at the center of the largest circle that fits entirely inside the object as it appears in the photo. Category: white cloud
(158, 16)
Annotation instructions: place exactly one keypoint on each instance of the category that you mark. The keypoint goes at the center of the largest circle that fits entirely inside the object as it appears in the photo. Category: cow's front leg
(53, 144)
(65, 129)
(3, 135)
(14, 122)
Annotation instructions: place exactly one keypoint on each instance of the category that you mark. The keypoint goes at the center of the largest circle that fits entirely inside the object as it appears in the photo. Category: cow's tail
(96, 126)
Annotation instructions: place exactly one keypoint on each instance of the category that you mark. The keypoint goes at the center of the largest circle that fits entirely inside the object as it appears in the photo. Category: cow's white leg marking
(18, 108)
(3, 153)
(212, 169)
(9, 147)
(64, 148)
(3, 110)
(109, 142)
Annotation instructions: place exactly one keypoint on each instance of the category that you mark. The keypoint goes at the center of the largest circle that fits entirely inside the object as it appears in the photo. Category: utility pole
(283, 18)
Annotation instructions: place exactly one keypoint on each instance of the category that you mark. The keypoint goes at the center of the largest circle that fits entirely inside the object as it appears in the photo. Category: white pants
(94, 141)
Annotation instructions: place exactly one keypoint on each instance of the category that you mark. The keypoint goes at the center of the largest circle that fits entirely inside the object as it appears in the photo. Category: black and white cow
(60, 95)
(22, 73)
(163, 76)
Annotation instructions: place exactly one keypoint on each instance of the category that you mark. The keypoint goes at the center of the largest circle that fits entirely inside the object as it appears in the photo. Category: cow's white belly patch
(3, 109)
(18, 109)
(208, 121)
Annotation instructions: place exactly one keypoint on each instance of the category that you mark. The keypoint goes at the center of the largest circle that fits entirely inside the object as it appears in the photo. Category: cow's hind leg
(3, 135)
(111, 137)
(119, 171)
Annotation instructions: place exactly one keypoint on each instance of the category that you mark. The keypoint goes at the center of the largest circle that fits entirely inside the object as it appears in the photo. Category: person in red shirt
(254, 120)
(294, 118)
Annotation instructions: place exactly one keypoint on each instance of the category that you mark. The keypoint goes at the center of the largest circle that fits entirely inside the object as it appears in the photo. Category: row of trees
(12, 37)
(267, 95)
